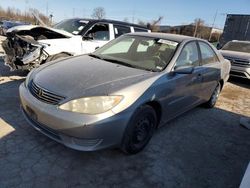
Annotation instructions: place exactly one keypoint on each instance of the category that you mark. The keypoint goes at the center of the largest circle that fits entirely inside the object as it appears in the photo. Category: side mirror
(184, 70)
(218, 46)
(84, 37)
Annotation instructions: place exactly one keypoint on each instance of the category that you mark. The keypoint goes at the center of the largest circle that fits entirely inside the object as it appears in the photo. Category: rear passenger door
(99, 35)
(210, 65)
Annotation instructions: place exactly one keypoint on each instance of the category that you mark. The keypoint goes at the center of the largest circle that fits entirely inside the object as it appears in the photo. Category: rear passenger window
(140, 30)
(207, 54)
(120, 30)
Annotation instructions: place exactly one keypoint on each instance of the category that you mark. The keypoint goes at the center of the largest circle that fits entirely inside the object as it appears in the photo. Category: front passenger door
(185, 87)
(99, 35)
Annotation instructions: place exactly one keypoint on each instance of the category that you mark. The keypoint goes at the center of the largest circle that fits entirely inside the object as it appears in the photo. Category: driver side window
(99, 32)
(188, 56)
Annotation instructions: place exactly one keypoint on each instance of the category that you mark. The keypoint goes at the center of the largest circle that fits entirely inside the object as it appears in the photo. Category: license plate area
(31, 113)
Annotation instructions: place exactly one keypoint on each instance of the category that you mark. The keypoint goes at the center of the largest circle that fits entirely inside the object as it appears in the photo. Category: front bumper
(76, 131)
(238, 71)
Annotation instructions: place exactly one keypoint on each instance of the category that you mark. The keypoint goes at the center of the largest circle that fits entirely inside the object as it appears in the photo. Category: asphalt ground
(201, 148)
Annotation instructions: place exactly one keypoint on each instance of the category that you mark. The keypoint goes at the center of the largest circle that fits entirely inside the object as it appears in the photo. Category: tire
(57, 56)
(139, 130)
(214, 97)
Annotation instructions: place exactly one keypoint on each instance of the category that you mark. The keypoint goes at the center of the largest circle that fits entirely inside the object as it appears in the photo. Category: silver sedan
(118, 95)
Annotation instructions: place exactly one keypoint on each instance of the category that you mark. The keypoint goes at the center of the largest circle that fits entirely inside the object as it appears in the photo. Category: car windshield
(72, 26)
(9, 24)
(12, 24)
(140, 52)
(237, 46)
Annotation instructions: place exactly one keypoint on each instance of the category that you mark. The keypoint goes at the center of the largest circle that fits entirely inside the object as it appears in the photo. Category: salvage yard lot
(202, 148)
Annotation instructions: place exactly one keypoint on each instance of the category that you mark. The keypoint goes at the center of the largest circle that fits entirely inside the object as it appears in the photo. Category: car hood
(30, 27)
(234, 54)
(86, 76)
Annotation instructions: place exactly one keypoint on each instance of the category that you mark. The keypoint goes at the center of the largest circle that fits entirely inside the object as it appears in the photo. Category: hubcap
(142, 131)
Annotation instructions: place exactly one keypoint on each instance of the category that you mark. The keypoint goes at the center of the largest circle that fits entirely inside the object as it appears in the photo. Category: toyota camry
(120, 94)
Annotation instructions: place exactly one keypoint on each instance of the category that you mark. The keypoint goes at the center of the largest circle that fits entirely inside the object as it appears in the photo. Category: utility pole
(83, 12)
(51, 18)
(196, 27)
(26, 7)
(47, 12)
(133, 16)
(210, 36)
(47, 9)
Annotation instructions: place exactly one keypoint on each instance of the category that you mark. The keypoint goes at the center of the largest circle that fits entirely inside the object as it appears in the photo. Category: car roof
(240, 41)
(109, 21)
(167, 36)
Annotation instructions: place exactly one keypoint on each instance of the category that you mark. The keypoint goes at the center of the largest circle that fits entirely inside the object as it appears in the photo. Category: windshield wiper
(95, 56)
(127, 64)
(119, 62)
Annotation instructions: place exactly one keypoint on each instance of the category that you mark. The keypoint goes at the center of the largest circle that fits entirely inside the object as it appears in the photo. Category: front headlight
(92, 105)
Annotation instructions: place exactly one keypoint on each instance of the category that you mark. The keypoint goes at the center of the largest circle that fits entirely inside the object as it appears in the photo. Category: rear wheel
(57, 56)
(214, 97)
(140, 130)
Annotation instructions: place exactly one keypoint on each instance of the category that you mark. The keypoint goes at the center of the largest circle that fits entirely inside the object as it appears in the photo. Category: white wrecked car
(29, 46)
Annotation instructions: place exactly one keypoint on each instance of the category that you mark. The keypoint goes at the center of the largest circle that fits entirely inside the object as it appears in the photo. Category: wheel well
(157, 107)
(221, 84)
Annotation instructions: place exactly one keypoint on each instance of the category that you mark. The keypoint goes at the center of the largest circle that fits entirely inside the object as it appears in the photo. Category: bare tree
(126, 19)
(201, 29)
(154, 25)
(199, 23)
(98, 13)
(17, 15)
(142, 23)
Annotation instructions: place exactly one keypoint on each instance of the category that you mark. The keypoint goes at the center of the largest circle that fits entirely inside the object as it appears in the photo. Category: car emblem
(40, 92)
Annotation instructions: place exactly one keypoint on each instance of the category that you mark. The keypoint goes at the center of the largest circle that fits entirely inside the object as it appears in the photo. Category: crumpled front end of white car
(23, 52)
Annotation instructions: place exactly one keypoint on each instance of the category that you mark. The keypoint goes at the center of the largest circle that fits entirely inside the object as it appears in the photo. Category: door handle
(197, 78)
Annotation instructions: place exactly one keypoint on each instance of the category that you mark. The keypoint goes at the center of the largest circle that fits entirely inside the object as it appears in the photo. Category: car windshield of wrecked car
(72, 26)
(147, 53)
(9, 24)
(237, 46)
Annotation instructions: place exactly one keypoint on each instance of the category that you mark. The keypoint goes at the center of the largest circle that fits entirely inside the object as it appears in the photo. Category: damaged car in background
(27, 47)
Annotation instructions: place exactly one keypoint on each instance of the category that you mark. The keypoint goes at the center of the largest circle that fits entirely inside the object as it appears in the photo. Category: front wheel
(214, 97)
(139, 130)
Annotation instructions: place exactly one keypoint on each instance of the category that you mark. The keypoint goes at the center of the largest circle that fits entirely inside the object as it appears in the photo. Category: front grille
(238, 74)
(238, 62)
(44, 95)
